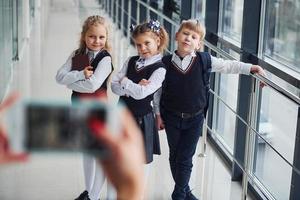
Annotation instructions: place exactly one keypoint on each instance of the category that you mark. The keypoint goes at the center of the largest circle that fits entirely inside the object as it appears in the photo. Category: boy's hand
(256, 69)
(88, 72)
(159, 122)
(144, 82)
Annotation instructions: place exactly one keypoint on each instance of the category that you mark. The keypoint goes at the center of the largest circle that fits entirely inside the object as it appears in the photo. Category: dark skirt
(150, 135)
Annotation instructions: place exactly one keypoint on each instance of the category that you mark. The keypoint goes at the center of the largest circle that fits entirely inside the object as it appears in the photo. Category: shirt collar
(185, 62)
(189, 56)
(144, 62)
(95, 52)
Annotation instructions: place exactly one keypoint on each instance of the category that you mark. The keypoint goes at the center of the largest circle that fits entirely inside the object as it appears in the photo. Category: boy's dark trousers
(183, 135)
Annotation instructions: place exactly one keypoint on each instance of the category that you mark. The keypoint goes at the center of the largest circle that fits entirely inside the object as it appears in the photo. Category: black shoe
(190, 196)
(83, 196)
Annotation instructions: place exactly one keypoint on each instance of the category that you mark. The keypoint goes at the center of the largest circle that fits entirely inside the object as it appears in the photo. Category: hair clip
(132, 27)
(154, 25)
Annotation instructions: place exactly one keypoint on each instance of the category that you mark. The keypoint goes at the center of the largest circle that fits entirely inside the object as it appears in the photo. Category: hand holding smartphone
(62, 127)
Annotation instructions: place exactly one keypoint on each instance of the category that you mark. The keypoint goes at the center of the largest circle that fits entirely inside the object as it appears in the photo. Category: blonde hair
(94, 21)
(160, 32)
(194, 25)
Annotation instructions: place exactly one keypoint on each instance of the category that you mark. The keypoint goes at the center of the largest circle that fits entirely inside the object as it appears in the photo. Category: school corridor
(251, 139)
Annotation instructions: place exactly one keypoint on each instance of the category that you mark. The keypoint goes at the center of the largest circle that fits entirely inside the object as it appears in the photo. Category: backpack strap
(206, 71)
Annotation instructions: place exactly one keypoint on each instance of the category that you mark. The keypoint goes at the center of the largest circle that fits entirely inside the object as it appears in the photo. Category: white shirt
(75, 80)
(121, 85)
(217, 65)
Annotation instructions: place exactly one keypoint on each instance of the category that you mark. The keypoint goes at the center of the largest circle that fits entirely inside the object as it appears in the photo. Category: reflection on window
(282, 32)
(272, 171)
(225, 119)
(200, 10)
(171, 8)
(232, 19)
(277, 124)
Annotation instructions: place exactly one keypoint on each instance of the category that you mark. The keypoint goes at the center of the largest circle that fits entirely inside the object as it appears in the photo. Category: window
(282, 32)
(277, 123)
(225, 119)
(199, 10)
(231, 20)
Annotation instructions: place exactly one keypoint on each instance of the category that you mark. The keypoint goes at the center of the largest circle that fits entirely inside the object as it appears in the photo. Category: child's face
(187, 41)
(95, 37)
(147, 44)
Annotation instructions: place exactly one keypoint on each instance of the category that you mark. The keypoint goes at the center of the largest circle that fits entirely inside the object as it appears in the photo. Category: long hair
(94, 21)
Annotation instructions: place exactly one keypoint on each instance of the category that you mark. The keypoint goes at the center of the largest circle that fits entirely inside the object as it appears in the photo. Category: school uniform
(93, 87)
(182, 102)
(138, 98)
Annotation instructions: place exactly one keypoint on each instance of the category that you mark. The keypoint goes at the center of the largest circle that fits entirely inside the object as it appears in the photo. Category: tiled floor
(60, 176)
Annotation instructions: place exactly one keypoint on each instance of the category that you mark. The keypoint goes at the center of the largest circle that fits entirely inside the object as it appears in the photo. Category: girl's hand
(159, 122)
(256, 69)
(6, 155)
(144, 82)
(88, 72)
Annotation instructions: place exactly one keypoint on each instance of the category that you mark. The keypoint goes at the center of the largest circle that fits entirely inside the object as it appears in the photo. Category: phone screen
(62, 127)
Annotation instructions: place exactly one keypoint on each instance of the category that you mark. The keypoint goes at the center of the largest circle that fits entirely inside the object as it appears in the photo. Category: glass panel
(200, 10)
(32, 10)
(272, 171)
(21, 23)
(172, 9)
(278, 127)
(224, 124)
(232, 18)
(282, 32)
(119, 13)
(15, 29)
(5, 45)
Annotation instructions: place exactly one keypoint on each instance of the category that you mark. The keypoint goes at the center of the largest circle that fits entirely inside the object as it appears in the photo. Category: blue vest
(186, 92)
(102, 89)
(140, 107)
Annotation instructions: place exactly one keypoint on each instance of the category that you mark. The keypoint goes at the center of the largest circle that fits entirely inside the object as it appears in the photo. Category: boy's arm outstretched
(65, 76)
(234, 67)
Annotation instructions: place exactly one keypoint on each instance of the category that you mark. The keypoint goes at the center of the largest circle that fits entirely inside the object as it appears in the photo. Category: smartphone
(52, 126)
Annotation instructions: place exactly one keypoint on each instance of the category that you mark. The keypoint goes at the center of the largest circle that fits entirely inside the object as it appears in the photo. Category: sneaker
(83, 196)
(190, 196)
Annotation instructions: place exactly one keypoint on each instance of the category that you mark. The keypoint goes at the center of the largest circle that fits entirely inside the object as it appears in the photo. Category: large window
(199, 10)
(277, 124)
(225, 119)
(231, 20)
(282, 32)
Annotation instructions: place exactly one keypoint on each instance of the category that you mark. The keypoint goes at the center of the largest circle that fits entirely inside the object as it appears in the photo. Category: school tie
(91, 56)
(140, 63)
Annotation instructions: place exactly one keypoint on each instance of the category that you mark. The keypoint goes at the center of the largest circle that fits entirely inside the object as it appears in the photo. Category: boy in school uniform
(181, 105)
